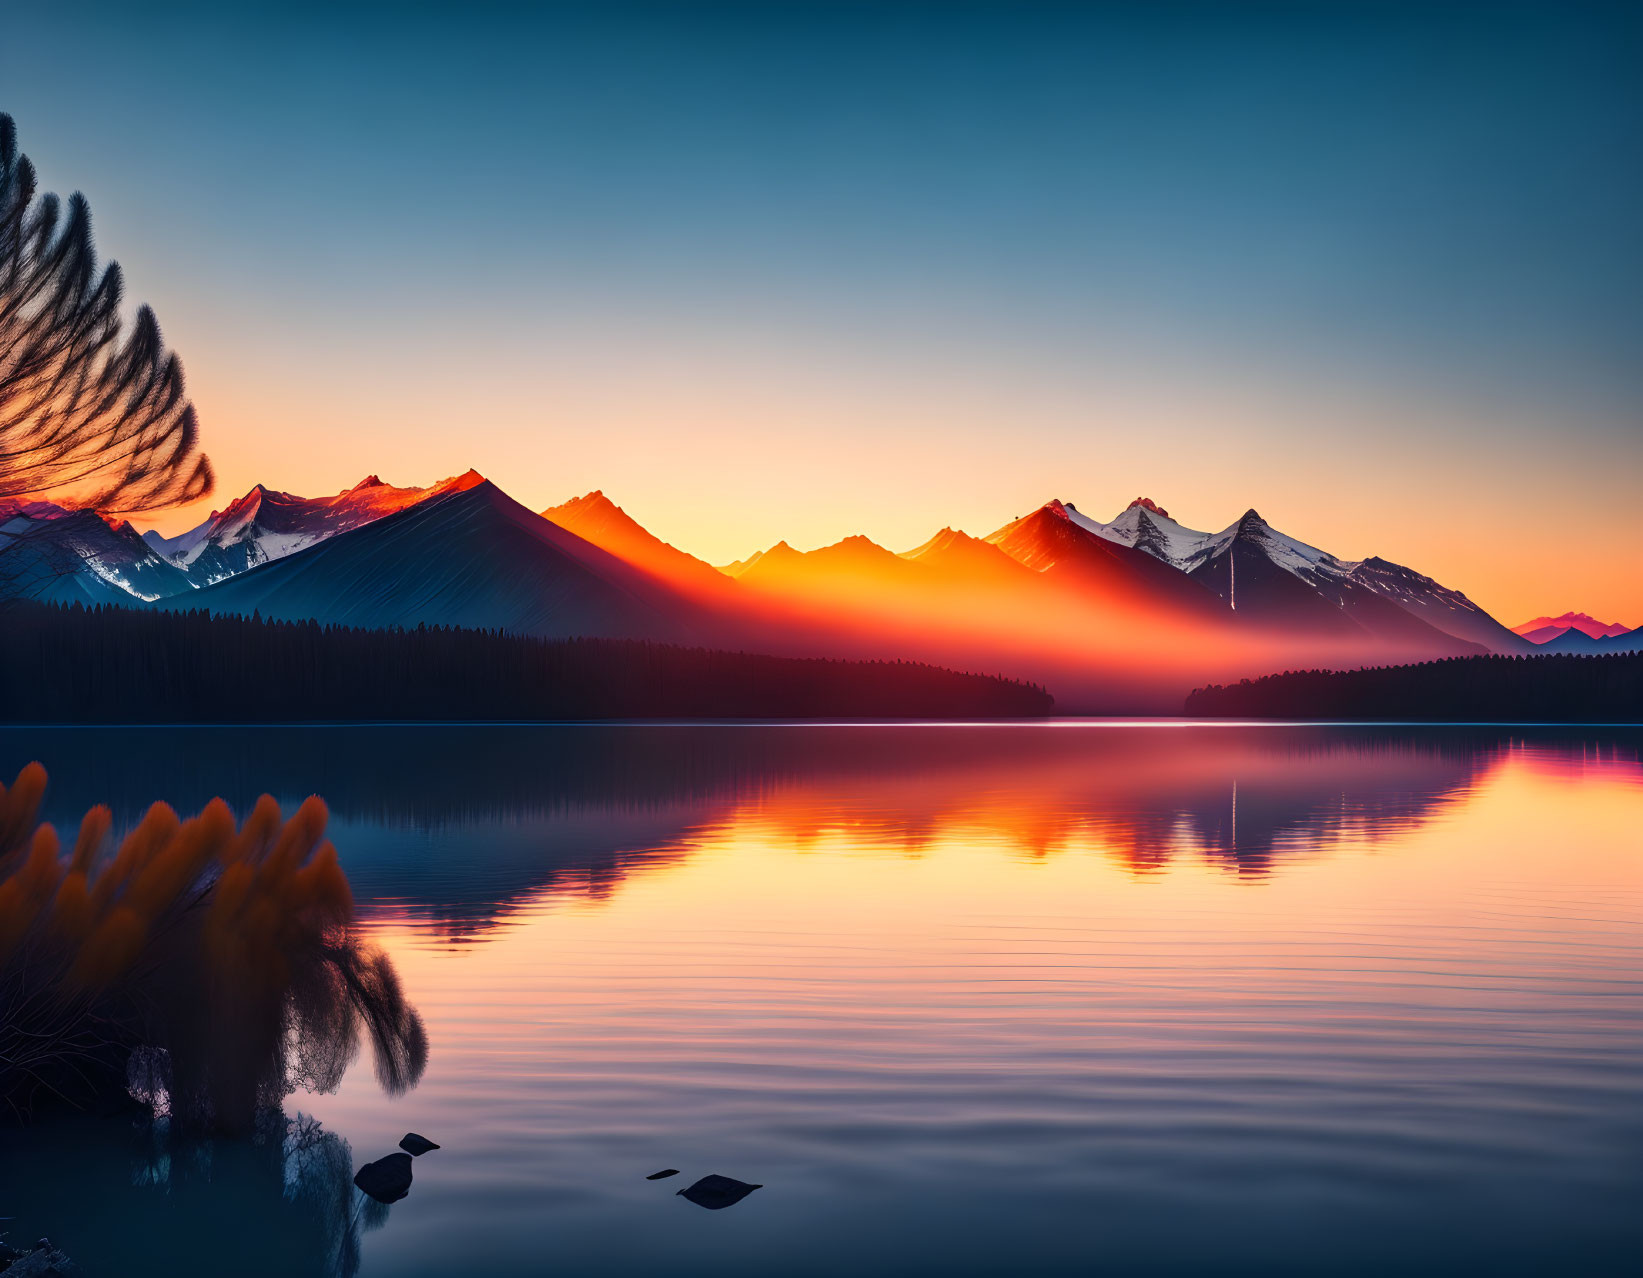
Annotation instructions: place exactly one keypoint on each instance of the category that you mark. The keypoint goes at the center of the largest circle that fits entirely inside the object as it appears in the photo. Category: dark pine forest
(1557, 688)
(71, 664)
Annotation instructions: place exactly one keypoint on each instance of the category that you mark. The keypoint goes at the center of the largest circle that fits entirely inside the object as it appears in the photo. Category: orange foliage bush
(207, 968)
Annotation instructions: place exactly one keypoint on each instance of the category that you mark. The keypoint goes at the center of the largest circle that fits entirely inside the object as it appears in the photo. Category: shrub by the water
(204, 966)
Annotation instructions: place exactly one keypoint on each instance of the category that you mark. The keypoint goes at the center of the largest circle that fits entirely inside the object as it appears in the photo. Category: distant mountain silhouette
(1119, 617)
(595, 518)
(473, 558)
(855, 563)
(1585, 623)
(1571, 639)
(1542, 634)
(961, 558)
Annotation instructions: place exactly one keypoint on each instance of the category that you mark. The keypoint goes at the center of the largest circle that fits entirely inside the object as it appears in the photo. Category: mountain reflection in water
(1006, 999)
(576, 809)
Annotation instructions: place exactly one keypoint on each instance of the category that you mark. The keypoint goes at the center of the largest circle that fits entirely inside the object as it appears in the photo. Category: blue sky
(798, 271)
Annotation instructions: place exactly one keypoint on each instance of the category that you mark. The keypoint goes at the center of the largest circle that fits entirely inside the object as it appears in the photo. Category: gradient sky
(799, 271)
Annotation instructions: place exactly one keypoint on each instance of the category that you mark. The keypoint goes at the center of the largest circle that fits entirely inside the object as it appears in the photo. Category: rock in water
(388, 1179)
(45, 1261)
(716, 1192)
(415, 1145)
(663, 1174)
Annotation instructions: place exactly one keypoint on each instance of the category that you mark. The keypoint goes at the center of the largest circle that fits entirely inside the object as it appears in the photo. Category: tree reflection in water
(207, 971)
(154, 1197)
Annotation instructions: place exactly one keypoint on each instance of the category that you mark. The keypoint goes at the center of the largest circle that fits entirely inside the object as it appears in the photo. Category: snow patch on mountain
(267, 525)
(1292, 555)
(1146, 526)
(112, 575)
(75, 556)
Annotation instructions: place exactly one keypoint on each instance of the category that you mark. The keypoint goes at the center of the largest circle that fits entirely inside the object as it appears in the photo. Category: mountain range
(1550, 627)
(75, 556)
(1572, 639)
(1260, 570)
(265, 525)
(597, 519)
(466, 555)
(1581, 633)
(1055, 595)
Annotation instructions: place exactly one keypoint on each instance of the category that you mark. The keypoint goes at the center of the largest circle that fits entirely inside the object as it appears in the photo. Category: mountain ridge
(266, 524)
(1347, 592)
(52, 554)
(595, 518)
(1581, 621)
(472, 557)
(1054, 591)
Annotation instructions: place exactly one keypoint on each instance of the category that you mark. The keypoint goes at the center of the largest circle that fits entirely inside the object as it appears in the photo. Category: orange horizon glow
(750, 327)
(1516, 576)
(724, 440)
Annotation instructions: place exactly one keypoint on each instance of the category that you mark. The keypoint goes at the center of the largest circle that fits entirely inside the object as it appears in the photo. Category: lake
(992, 999)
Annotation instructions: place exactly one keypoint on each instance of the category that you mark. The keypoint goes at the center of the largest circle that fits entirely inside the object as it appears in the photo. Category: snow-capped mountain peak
(76, 556)
(1147, 526)
(1252, 565)
(267, 524)
(1292, 555)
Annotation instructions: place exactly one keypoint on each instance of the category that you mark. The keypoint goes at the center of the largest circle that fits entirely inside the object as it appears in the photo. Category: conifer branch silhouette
(93, 413)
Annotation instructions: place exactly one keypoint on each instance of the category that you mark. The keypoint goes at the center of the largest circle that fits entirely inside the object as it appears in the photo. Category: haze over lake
(994, 999)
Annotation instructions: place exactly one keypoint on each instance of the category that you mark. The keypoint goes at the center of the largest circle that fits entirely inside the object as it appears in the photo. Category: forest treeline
(1559, 688)
(73, 664)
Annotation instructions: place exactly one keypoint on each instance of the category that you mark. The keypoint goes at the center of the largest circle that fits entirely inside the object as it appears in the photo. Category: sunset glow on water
(821, 640)
(1333, 998)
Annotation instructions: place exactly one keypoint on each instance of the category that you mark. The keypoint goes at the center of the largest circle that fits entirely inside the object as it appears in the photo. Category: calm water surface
(989, 1000)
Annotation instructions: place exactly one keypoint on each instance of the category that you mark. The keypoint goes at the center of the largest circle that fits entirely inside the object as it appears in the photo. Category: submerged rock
(716, 1192)
(415, 1145)
(45, 1261)
(387, 1180)
(663, 1174)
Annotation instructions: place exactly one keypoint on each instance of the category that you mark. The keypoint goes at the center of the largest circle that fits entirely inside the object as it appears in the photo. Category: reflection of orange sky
(778, 945)
(1240, 810)
(1139, 810)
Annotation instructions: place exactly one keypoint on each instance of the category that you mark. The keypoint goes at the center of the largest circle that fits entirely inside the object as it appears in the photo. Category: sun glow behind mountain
(788, 272)
(1118, 616)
